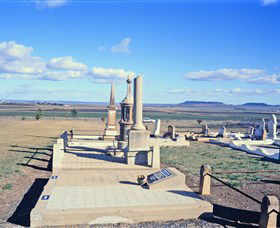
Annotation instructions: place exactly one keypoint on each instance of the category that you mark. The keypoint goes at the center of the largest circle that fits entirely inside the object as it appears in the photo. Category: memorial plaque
(159, 176)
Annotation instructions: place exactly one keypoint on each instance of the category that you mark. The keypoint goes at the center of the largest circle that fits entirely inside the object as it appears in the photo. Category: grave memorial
(111, 130)
(126, 115)
(138, 136)
(272, 127)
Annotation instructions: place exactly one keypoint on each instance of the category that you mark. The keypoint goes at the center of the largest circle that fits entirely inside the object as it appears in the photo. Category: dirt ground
(25, 166)
(25, 155)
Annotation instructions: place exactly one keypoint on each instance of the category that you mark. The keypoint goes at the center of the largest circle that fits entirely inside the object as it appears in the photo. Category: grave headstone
(205, 129)
(272, 126)
(222, 132)
(171, 131)
(157, 128)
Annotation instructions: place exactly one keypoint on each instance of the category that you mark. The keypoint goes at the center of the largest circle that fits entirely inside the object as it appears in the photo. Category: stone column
(138, 136)
(205, 180)
(111, 130)
(272, 125)
(137, 108)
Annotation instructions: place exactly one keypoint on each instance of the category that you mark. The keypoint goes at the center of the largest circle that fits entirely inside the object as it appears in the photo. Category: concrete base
(167, 142)
(137, 157)
(138, 140)
(122, 145)
(119, 153)
(110, 134)
(111, 197)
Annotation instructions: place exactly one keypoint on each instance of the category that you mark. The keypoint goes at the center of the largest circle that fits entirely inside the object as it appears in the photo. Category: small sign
(159, 176)
(54, 177)
(45, 197)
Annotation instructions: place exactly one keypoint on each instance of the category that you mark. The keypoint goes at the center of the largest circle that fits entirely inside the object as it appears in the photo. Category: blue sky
(225, 51)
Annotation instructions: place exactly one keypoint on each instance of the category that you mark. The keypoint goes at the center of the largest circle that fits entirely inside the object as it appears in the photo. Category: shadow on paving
(227, 216)
(22, 214)
(84, 148)
(102, 157)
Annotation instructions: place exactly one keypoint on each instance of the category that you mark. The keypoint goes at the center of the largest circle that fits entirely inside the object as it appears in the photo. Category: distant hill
(212, 103)
(256, 104)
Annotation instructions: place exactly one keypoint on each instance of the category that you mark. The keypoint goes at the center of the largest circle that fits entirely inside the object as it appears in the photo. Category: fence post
(269, 209)
(60, 142)
(205, 180)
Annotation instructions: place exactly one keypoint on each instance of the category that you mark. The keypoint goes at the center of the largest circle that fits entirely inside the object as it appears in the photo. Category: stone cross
(272, 125)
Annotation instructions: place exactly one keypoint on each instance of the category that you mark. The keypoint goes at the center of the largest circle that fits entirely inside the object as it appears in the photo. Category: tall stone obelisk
(111, 129)
(138, 136)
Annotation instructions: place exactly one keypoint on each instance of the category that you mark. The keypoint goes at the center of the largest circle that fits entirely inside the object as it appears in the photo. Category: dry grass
(25, 152)
(189, 160)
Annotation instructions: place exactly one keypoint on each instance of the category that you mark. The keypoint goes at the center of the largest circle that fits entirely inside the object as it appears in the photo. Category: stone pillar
(157, 129)
(126, 113)
(111, 130)
(138, 136)
(272, 127)
(205, 180)
(204, 129)
(155, 160)
(269, 212)
(138, 105)
(222, 132)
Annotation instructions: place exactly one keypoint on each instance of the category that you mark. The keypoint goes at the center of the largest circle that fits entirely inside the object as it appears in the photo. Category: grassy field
(190, 159)
(172, 113)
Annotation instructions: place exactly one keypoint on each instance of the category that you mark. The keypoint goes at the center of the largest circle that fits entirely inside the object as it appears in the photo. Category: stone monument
(222, 132)
(111, 130)
(205, 129)
(250, 132)
(138, 136)
(157, 129)
(126, 112)
(272, 127)
(171, 130)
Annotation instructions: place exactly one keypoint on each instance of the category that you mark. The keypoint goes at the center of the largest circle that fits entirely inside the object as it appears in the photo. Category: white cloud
(223, 92)
(223, 74)
(61, 75)
(269, 2)
(122, 47)
(101, 74)
(16, 61)
(247, 75)
(268, 79)
(66, 63)
(16, 58)
(50, 3)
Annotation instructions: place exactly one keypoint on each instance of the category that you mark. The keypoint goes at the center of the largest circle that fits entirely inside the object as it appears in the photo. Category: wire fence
(238, 190)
